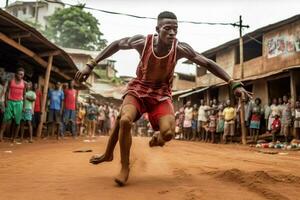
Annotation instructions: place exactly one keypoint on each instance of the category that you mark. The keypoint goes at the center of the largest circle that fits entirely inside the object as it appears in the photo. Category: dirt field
(48, 170)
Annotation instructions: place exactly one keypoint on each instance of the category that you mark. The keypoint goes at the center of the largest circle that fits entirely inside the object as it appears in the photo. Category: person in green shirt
(28, 110)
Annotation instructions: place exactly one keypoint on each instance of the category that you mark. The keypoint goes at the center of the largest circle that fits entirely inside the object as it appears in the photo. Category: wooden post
(241, 101)
(293, 87)
(44, 97)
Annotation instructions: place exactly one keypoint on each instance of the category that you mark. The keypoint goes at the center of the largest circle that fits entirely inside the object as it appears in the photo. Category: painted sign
(283, 44)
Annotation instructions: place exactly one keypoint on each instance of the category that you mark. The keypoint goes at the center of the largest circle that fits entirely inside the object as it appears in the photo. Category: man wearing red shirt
(70, 108)
(37, 105)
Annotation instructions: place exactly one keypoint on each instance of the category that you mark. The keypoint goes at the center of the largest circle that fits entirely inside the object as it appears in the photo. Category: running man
(150, 91)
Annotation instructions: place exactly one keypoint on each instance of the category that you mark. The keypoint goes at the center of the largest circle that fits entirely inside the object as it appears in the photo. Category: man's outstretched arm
(135, 42)
(186, 51)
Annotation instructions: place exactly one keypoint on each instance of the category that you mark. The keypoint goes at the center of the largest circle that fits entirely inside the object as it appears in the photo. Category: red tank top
(16, 91)
(146, 84)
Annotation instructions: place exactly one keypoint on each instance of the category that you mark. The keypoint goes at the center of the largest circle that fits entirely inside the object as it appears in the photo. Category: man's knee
(125, 120)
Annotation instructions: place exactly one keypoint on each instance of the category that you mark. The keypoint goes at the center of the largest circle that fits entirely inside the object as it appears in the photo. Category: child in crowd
(276, 127)
(80, 118)
(220, 120)
(92, 112)
(212, 124)
(28, 110)
(296, 116)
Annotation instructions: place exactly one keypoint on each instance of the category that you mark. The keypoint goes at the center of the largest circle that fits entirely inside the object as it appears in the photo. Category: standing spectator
(220, 120)
(194, 122)
(80, 118)
(187, 123)
(69, 115)
(14, 103)
(56, 97)
(106, 125)
(3, 87)
(256, 113)
(215, 104)
(276, 127)
(296, 115)
(180, 121)
(28, 110)
(229, 116)
(267, 114)
(91, 115)
(101, 119)
(212, 125)
(275, 110)
(286, 118)
(37, 106)
(202, 118)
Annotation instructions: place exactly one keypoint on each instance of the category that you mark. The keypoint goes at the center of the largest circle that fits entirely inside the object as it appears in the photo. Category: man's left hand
(241, 92)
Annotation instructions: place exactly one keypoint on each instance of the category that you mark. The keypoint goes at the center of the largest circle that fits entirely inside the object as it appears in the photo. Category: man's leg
(166, 131)
(73, 121)
(112, 141)
(128, 115)
(3, 127)
(30, 131)
(22, 130)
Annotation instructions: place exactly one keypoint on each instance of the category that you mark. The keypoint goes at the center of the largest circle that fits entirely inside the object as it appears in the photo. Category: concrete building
(271, 63)
(100, 82)
(34, 11)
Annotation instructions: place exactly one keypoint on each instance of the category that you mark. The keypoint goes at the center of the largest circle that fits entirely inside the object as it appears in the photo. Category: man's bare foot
(156, 140)
(96, 159)
(122, 178)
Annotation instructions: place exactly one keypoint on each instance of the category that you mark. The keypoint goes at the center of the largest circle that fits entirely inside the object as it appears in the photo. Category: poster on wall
(280, 45)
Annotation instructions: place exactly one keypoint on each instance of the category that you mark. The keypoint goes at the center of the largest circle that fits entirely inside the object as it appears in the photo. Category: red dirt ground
(48, 170)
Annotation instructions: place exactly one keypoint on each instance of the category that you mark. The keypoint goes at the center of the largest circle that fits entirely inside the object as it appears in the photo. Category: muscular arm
(186, 51)
(135, 42)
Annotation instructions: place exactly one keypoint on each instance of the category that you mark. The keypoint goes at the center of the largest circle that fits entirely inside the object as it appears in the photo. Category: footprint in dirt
(190, 195)
(181, 173)
(253, 181)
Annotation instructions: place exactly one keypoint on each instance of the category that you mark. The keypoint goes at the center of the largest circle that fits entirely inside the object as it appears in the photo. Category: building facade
(271, 65)
(34, 11)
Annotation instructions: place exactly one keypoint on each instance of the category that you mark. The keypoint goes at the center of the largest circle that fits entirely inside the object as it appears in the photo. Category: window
(252, 49)
(33, 11)
(15, 12)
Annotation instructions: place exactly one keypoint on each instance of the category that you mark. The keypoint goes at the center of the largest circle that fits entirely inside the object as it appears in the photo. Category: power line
(142, 17)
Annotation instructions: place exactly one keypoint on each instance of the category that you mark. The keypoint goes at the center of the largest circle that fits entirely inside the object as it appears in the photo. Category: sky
(255, 13)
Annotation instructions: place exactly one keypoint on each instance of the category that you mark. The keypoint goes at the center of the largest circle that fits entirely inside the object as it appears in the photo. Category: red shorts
(155, 109)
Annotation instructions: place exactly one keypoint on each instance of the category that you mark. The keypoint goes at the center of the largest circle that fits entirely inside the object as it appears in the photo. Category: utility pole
(36, 12)
(242, 98)
(6, 5)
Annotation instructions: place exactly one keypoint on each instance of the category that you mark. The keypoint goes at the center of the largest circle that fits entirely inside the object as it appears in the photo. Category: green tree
(74, 28)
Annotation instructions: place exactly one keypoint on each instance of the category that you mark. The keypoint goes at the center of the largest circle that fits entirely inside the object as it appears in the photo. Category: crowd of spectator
(220, 121)
(20, 111)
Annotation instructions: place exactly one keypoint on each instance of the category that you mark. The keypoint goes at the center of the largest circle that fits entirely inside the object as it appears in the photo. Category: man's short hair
(20, 69)
(166, 15)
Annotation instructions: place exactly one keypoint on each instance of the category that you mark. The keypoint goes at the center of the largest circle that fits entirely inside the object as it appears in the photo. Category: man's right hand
(83, 74)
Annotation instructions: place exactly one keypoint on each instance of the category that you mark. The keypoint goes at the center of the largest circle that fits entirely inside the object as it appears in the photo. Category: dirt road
(49, 170)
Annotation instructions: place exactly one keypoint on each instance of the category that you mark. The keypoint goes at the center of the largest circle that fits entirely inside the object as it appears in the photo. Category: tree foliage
(74, 28)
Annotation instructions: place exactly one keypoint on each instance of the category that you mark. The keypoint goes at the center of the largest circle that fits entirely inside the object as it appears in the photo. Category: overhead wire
(141, 17)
